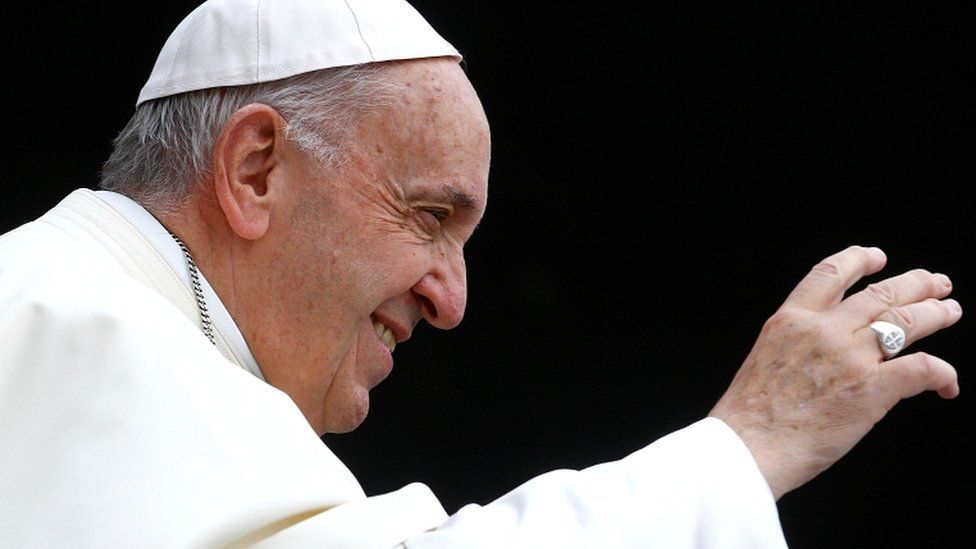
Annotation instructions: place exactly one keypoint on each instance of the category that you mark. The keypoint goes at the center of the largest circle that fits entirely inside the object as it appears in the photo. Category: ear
(243, 158)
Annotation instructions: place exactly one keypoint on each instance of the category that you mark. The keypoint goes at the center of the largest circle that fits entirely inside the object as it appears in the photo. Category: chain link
(205, 322)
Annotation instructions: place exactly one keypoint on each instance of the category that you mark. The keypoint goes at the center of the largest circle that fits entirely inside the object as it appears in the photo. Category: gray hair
(167, 146)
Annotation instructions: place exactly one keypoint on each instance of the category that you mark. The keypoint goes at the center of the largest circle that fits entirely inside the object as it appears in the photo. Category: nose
(443, 291)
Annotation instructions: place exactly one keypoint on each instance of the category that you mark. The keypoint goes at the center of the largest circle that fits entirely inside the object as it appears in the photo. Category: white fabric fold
(697, 487)
(409, 510)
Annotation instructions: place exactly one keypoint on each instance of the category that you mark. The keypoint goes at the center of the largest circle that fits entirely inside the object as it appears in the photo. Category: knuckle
(863, 254)
(943, 309)
(934, 284)
(942, 314)
(904, 318)
(925, 363)
(780, 321)
(884, 292)
(792, 325)
(925, 278)
(776, 322)
(827, 267)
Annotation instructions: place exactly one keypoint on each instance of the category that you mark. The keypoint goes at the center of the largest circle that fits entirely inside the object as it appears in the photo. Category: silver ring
(890, 336)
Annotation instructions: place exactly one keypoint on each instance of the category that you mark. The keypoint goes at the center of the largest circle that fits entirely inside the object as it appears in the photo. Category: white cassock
(122, 426)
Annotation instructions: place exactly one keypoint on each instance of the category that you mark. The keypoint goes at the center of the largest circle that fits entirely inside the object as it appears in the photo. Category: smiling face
(368, 250)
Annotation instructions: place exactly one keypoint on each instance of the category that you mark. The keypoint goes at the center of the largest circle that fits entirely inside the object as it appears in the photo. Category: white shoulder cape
(121, 425)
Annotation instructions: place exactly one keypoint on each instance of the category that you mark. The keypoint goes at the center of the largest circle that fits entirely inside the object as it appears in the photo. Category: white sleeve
(697, 487)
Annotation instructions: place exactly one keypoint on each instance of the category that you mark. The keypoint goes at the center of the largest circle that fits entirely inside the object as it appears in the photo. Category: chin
(349, 415)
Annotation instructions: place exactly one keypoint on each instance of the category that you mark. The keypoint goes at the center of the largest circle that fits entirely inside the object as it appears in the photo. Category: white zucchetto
(239, 42)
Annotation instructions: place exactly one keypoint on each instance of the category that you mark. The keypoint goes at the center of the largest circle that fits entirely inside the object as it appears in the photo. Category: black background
(662, 175)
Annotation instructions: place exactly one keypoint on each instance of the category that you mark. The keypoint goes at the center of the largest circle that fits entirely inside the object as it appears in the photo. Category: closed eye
(431, 219)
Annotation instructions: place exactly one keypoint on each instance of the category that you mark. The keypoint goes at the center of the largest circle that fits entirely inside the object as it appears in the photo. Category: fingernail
(944, 280)
(876, 252)
(953, 305)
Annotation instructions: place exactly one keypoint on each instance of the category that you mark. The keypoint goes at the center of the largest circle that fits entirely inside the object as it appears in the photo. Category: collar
(159, 237)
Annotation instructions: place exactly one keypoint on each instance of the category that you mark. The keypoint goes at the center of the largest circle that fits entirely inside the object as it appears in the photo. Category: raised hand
(817, 381)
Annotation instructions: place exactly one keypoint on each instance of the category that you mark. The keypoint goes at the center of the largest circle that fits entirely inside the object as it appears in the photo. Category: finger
(824, 286)
(918, 320)
(909, 375)
(911, 287)
(924, 318)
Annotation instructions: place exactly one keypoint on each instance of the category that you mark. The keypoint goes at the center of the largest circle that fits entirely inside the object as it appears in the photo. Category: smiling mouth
(385, 334)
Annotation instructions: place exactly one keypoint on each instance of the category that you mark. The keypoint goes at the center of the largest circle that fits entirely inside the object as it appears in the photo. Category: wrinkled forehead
(436, 91)
(435, 122)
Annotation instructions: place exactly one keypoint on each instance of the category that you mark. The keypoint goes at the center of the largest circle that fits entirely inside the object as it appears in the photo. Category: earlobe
(244, 157)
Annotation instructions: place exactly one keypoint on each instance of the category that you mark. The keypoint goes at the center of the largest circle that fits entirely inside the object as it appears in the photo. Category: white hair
(167, 146)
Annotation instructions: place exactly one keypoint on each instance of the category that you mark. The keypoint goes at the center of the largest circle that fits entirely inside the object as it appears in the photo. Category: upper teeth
(385, 334)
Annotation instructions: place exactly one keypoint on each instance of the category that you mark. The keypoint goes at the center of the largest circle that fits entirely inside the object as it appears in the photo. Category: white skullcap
(237, 42)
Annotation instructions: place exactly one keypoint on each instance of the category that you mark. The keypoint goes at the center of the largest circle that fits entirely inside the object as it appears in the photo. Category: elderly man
(290, 199)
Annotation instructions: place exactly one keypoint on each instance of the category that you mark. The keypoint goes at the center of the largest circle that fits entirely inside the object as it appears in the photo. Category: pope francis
(289, 200)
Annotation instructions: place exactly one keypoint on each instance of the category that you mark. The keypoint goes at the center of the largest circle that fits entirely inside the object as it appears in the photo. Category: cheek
(394, 269)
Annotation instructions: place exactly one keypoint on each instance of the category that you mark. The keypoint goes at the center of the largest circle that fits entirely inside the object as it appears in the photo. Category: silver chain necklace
(191, 266)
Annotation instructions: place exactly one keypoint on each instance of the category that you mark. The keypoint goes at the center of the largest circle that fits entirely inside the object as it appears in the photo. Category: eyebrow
(452, 195)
